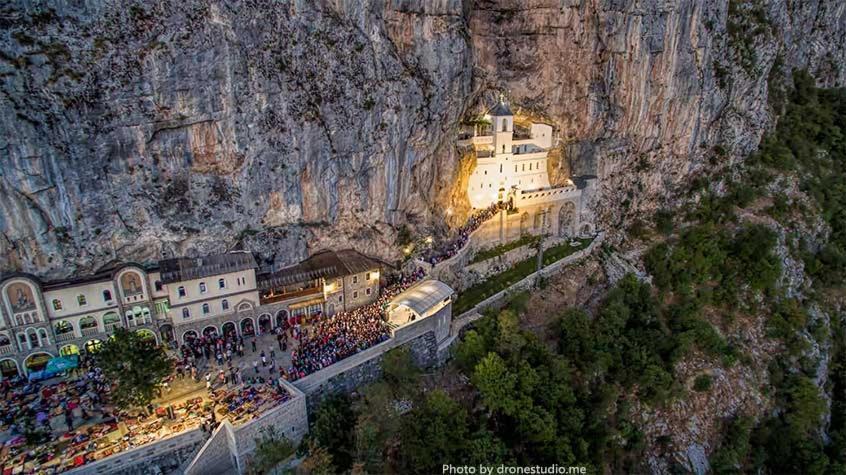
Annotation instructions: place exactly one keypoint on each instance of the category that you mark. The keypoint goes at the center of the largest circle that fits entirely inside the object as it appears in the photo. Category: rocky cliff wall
(134, 130)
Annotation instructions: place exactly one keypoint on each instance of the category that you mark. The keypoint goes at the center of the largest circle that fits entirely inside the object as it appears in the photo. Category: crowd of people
(334, 338)
(453, 246)
(344, 334)
(62, 423)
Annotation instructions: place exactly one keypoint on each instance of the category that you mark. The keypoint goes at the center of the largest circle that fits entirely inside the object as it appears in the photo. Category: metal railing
(90, 331)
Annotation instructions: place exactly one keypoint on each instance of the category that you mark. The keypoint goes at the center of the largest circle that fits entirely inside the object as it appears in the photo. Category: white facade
(505, 165)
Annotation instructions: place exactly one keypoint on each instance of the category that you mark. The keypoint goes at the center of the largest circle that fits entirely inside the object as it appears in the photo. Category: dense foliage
(136, 365)
(525, 402)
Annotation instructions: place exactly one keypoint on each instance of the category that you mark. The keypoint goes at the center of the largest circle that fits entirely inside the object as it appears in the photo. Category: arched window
(503, 148)
(505, 125)
(186, 313)
(33, 338)
(202, 287)
(57, 304)
(221, 283)
(181, 291)
(80, 299)
(224, 304)
(42, 337)
(206, 309)
(107, 295)
(87, 322)
(63, 327)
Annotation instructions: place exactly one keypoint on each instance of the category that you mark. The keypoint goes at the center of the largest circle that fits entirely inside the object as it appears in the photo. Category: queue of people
(453, 246)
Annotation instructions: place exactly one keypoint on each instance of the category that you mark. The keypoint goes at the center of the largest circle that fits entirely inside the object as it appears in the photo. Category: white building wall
(238, 286)
(69, 299)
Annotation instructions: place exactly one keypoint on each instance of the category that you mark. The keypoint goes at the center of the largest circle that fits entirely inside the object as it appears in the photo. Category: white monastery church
(505, 163)
(511, 168)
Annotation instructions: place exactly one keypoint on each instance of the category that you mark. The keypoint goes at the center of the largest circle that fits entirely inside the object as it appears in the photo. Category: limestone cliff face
(131, 130)
(641, 91)
(147, 128)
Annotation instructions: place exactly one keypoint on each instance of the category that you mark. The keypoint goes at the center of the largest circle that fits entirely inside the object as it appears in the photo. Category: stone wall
(216, 456)
(497, 300)
(230, 447)
(289, 420)
(164, 456)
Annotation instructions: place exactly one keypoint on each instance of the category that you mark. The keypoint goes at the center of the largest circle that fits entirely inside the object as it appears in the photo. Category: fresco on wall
(20, 297)
(130, 282)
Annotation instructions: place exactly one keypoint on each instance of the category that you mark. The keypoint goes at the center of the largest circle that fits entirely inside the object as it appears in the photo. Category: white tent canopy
(422, 299)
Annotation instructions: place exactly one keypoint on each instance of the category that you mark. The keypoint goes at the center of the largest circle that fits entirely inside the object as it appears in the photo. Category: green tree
(435, 433)
(333, 430)
(496, 384)
(271, 450)
(318, 462)
(485, 448)
(135, 365)
(470, 351)
(399, 369)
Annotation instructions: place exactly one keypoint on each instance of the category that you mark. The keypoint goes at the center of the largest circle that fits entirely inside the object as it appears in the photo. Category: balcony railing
(65, 336)
(291, 295)
(112, 326)
(6, 349)
(90, 331)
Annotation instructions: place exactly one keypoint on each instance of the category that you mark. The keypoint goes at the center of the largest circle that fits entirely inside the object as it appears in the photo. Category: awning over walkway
(423, 299)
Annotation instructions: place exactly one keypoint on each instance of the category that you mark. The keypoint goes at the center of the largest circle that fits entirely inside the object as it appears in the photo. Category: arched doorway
(166, 331)
(229, 329)
(248, 327)
(282, 318)
(330, 309)
(566, 219)
(210, 331)
(69, 350)
(147, 335)
(9, 368)
(587, 230)
(189, 336)
(264, 323)
(37, 361)
(91, 346)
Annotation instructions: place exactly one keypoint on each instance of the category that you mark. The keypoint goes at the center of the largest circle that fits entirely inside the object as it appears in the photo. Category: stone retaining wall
(228, 450)
(497, 300)
(164, 456)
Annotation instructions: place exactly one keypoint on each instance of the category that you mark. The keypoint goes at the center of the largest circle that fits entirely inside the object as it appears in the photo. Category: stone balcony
(90, 331)
(65, 336)
(6, 349)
